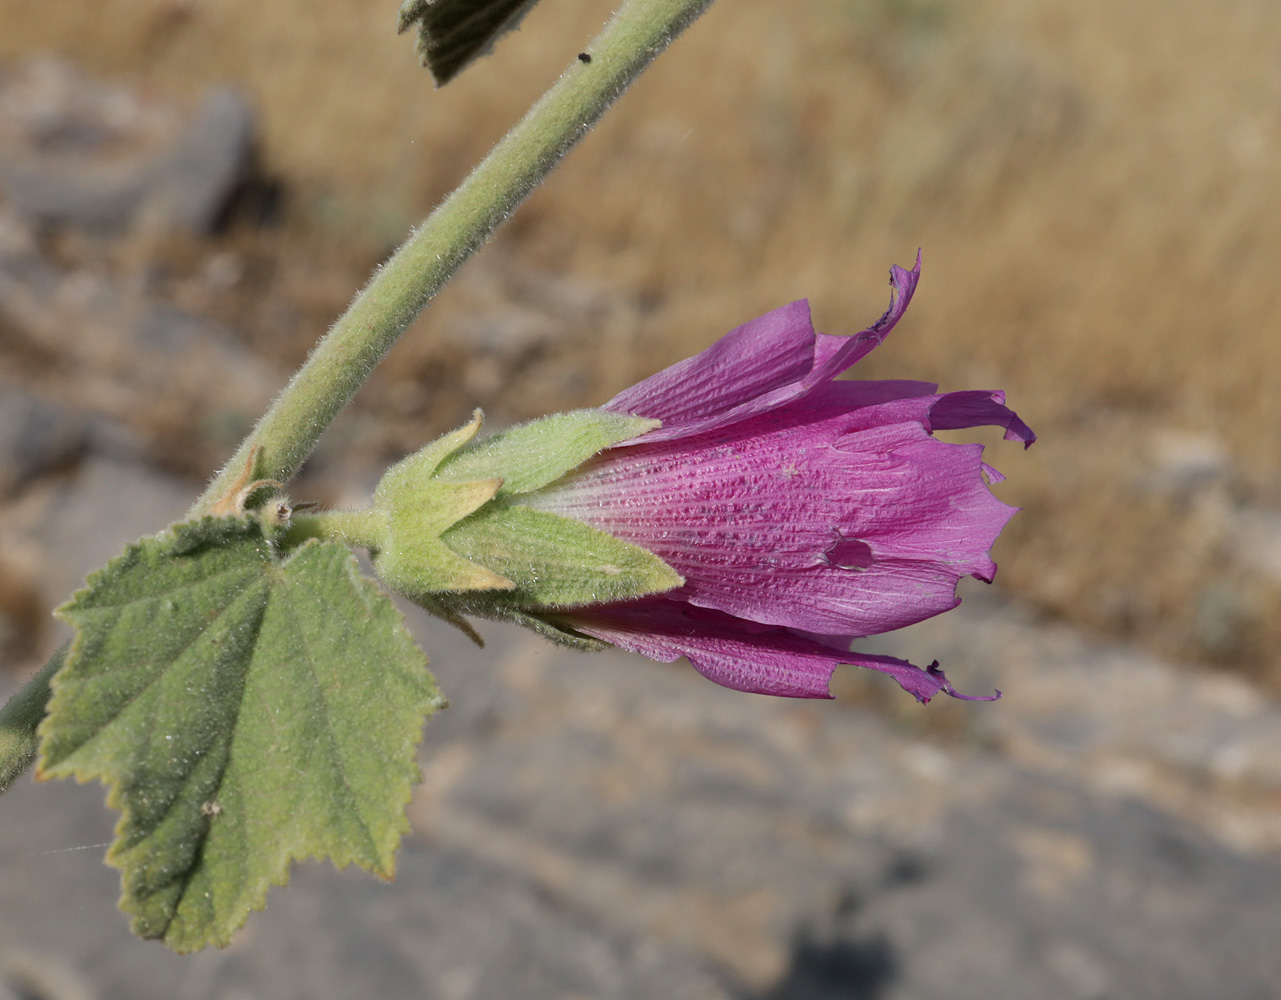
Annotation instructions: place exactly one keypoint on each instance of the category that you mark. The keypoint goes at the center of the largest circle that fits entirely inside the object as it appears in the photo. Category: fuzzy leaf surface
(245, 710)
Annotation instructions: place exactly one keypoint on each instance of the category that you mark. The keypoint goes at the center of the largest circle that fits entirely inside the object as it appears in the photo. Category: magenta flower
(802, 512)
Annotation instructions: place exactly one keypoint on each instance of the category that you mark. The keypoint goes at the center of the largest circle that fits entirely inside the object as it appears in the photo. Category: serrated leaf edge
(277, 875)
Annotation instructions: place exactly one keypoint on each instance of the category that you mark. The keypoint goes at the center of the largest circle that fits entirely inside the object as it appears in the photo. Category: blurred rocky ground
(606, 827)
(595, 826)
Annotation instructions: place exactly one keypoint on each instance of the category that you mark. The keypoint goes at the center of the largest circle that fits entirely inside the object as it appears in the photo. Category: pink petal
(833, 355)
(856, 522)
(743, 655)
(757, 367)
(801, 511)
(771, 353)
(978, 407)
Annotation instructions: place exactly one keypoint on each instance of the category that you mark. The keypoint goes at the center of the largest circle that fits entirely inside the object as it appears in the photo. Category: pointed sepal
(555, 561)
(529, 456)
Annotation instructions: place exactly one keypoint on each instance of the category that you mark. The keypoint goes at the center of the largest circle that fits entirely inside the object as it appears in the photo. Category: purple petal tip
(935, 671)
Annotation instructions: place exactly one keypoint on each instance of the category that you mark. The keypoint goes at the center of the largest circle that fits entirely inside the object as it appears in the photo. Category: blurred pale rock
(561, 335)
(1223, 617)
(1196, 469)
(1185, 463)
(117, 351)
(91, 326)
(1256, 539)
(1120, 720)
(606, 827)
(81, 153)
(26, 975)
(206, 163)
(63, 527)
(35, 435)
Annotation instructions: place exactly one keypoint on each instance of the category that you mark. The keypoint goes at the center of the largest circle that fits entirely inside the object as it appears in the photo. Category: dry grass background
(1097, 189)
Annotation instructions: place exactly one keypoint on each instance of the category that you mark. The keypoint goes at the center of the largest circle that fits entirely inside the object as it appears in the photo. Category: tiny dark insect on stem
(584, 57)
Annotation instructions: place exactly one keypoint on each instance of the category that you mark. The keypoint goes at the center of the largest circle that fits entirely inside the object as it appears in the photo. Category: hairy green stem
(403, 286)
(364, 529)
(21, 715)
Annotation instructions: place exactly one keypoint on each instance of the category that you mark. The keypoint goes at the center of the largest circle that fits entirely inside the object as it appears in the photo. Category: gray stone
(60, 530)
(78, 152)
(1111, 717)
(1185, 464)
(150, 367)
(603, 826)
(452, 926)
(105, 198)
(26, 975)
(35, 435)
(73, 150)
(1254, 539)
(209, 159)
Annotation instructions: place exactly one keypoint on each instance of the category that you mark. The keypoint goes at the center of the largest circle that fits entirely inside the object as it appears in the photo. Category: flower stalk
(363, 529)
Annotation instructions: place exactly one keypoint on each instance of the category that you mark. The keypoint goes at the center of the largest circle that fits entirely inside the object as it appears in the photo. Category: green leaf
(245, 710)
(451, 33)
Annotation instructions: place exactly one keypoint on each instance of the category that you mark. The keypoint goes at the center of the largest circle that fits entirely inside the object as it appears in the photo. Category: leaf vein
(249, 571)
(164, 668)
(335, 753)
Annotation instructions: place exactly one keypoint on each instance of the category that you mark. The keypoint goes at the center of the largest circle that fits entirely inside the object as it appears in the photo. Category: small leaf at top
(451, 33)
(246, 710)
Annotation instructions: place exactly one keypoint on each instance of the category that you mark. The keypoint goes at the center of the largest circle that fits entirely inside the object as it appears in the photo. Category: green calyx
(557, 562)
(448, 520)
(413, 509)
